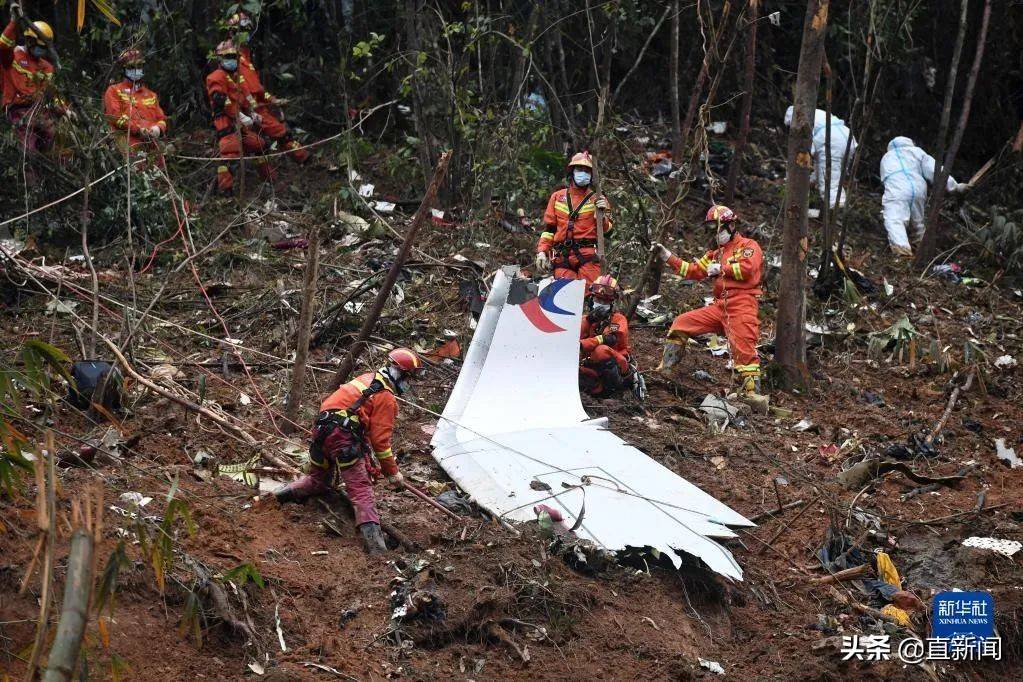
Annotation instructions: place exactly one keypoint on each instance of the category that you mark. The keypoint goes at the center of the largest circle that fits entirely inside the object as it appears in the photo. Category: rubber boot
(670, 358)
(750, 393)
(372, 538)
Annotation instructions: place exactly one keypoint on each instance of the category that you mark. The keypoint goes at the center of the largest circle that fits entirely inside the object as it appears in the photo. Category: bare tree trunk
(790, 343)
(62, 662)
(518, 86)
(86, 216)
(305, 323)
(929, 243)
(676, 108)
(422, 215)
(422, 131)
(826, 212)
(747, 102)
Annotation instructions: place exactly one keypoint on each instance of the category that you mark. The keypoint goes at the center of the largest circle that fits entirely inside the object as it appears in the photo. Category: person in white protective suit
(840, 137)
(906, 171)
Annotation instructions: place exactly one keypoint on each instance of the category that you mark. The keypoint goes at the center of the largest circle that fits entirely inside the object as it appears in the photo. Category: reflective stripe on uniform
(5, 41)
(737, 271)
(384, 454)
(704, 262)
(547, 235)
(683, 268)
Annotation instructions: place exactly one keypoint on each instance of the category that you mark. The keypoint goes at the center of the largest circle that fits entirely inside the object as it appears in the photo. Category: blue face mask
(581, 178)
(37, 51)
(134, 75)
(229, 64)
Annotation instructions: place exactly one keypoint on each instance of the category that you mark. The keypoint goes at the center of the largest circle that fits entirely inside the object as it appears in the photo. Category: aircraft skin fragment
(514, 434)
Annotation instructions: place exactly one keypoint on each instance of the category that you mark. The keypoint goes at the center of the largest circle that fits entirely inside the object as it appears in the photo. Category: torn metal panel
(514, 434)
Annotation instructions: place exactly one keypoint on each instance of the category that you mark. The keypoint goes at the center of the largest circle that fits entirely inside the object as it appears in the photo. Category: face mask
(229, 64)
(134, 75)
(581, 178)
(600, 310)
(724, 236)
(37, 51)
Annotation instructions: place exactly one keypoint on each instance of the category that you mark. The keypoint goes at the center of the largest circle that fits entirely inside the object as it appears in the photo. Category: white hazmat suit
(840, 136)
(905, 171)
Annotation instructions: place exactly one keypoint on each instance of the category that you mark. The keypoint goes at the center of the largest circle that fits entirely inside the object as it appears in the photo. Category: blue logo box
(963, 615)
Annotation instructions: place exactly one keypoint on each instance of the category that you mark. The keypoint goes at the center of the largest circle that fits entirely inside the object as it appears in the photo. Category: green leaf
(243, 573)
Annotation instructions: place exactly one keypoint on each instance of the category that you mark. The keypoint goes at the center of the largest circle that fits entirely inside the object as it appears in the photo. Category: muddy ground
(506, 605)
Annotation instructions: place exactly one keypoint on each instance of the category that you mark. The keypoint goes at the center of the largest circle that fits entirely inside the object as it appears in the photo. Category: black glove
(611, 339)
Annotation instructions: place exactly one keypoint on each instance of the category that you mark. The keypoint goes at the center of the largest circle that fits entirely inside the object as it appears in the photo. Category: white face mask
(601, 310)
(134, 75)
(581, 178)
(724, 236)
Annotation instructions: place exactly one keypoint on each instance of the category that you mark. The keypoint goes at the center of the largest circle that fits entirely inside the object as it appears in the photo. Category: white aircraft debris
(514, 434)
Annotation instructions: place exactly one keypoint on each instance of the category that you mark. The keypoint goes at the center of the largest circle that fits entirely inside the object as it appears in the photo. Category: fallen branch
(931, 487)
(500, 634)
(771, 514)
(195, 407)
(948, 408)
(422, 215)
(872, 612)
(789, 525)
(848, 574)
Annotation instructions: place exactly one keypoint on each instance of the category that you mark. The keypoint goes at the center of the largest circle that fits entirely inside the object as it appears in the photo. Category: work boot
(750, 393)
(670, 358)
(372, 538)
(902, 251)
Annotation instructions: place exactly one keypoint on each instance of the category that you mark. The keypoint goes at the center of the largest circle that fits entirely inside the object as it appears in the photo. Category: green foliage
(107, 588)
(41, 363)
(192, 619)
(1002, 240)
(243, 573)
(157, 543)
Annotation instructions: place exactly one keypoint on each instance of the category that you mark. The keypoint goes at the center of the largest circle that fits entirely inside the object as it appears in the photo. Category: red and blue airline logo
(536, 309)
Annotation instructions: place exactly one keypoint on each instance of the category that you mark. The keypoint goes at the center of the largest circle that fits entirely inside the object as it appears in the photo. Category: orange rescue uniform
(734, 311)
(228, 96)
(376, 415)
(271, 126)
(130, 109)
(23, 82)
(570, 233)
(604, 354)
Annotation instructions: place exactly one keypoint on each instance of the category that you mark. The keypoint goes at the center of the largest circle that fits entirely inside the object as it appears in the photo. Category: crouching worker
(354, 421)
(605, 367)
(735, 264)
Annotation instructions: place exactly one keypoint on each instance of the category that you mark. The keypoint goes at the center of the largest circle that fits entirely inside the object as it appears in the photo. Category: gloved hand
(245, 120)
(155, 132)
(543, 261)
(15, 10)
(256, 118)
(714, 269)
(601, 203)
(396, 480)
(962, 187)
(661, 250)
(610, 339)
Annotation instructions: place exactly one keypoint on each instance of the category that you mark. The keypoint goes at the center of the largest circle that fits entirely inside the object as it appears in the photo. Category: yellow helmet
(37, 29)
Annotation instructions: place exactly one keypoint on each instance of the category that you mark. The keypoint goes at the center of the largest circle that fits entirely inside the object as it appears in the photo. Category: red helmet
(130, 57)
(227, 48)
(719, 213)
(408, 361)
(605, 288)
(581, 159)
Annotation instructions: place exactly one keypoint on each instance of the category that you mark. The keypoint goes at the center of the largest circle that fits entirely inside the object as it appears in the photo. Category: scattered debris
(1005, 362)
(712, 666)
(1007, 454)
(718, 411)
(1004, 547)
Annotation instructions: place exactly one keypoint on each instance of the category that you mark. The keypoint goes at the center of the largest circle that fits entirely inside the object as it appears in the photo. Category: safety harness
(346, 420)
(571, 244)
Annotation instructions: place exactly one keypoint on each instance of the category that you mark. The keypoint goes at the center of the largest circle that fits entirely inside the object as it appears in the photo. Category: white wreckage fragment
(514, 434)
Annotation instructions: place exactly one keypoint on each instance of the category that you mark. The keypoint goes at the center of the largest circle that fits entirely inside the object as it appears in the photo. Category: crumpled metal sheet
(514, 434)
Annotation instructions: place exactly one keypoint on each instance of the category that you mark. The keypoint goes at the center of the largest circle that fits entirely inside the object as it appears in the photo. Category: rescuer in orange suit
(605, 366)
(239, 26)
(736, 265)
(569, 240)
(133, 110)
(234, 118)
(354, 421)
(25, 75)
